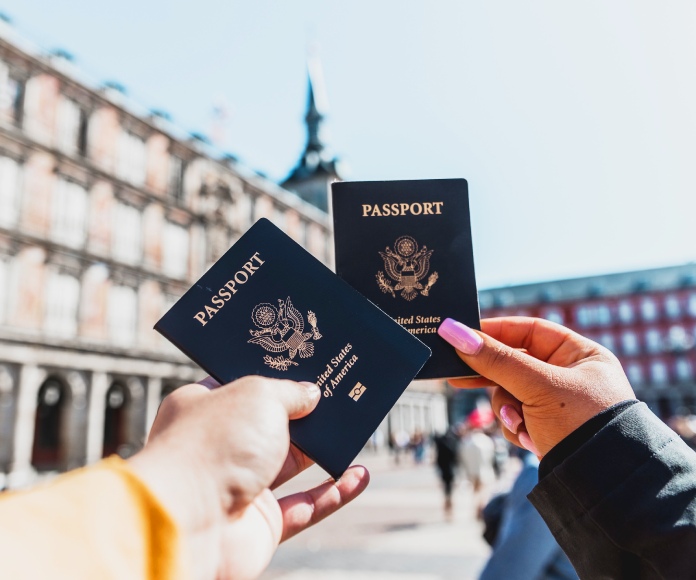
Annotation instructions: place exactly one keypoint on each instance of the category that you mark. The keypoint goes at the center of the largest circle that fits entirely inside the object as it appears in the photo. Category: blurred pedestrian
(501, 454)
(400, 442)
(418, 446)
(477, 453)
(446, 459)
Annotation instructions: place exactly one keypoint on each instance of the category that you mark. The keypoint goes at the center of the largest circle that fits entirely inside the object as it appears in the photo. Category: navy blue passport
(269, 308)
(406, 246)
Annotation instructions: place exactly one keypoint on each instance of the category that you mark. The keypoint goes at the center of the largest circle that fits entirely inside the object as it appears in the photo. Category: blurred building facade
(646, 318)
(106, 218)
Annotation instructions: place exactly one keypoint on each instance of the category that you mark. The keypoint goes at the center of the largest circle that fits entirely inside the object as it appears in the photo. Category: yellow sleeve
(100, 522)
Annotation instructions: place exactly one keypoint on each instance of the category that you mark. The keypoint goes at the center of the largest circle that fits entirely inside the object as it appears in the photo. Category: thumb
(300, 399)
(518, 372)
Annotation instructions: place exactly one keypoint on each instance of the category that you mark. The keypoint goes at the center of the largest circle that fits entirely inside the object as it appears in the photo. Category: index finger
(543, 339)
(295, 462)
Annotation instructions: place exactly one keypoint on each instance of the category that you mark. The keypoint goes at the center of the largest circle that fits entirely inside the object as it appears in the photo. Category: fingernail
(510, 417)
(311, 387)
(526, 442)
(460, 336)
(209, 383)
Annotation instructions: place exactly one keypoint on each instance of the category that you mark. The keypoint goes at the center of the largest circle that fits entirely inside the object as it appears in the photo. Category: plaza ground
(396, 530)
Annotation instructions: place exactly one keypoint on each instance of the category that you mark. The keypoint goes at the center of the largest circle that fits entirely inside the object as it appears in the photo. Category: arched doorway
(48, 449)
(116, 418)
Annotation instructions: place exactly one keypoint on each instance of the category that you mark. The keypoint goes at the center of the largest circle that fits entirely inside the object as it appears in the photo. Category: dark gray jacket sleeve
(623, 505)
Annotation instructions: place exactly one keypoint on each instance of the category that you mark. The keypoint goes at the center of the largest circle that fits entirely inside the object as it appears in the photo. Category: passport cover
(406, 246)
(268, 307)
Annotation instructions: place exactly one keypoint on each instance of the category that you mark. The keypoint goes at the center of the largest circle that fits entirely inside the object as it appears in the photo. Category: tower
(316, 168)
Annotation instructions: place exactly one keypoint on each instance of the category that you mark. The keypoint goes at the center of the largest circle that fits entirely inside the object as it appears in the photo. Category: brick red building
(646, 318)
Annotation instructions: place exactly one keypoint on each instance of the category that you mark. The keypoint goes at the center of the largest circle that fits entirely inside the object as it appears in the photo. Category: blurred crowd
(474, 454)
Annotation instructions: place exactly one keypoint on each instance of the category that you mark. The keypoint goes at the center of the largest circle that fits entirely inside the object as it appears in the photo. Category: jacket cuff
(561, 451)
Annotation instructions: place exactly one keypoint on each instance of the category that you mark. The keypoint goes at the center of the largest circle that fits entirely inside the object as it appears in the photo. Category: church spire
(316, 104)
(316, 169)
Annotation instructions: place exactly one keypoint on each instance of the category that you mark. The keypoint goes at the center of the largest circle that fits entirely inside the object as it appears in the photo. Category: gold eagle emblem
(282, 329)
(406, 265)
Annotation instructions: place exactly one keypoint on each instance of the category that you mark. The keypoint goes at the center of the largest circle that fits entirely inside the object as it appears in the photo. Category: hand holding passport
(212, 458)
(269, 308)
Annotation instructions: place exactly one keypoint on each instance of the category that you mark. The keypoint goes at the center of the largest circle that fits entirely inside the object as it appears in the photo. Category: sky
(573, 122)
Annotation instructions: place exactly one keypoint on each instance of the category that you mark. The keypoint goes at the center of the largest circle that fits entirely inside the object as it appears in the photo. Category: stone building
(106, 217)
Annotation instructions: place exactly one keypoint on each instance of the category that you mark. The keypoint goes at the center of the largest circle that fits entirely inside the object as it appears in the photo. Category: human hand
(544, 394)
(213, 457)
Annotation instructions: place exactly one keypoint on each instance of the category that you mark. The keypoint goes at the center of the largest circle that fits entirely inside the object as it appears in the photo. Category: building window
(4, 287)
(583, 316)
(629, 342)
(176, 250)
(678, 339)
(653, 340)
(10, 183)
(123, 306)
(127, 233)
(12, 89)
(603, 314)
(279, 217)
(72, 127)
(607, 341)
(176, 178)
(131, 158)
(692, 305)
(62, 299)
(635, 374)
(658, 372)
(683, 370)
(593, 314)
(672, 307)
(626, 313)
(553, 315)
(69, 213)
(648, 309)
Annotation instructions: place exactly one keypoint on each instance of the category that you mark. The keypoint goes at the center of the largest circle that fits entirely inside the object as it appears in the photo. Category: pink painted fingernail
(460, 336)
(209, 383)
(526, 442)
(510, 417)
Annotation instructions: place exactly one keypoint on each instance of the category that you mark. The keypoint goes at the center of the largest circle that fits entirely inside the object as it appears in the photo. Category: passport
(406, 246)
(269, 308)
